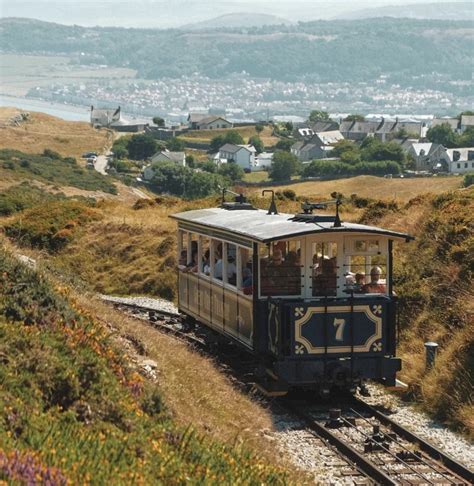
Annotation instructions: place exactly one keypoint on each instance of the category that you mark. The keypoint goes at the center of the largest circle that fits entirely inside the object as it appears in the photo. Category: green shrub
(23, 196)
(468, 180)
(52, 225)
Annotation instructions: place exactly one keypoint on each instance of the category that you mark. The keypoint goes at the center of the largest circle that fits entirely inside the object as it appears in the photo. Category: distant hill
(437, 11)
(409, 51)
(238, 19)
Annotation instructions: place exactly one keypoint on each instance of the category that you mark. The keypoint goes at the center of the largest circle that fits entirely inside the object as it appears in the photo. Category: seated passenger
(231, 270)
(326, 282)
(218, 265)
(359, 282)
(193, 265)
(206, 263)
(183, 259)
(374, 287)
(247, 281)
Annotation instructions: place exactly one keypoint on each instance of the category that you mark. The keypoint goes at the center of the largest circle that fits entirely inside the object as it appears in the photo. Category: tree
(232, 171)
(284, 166)
(354, 117)
(442, 134)
(141, 146)
(190, 161)
(317, 115)
(157, 120)
(374, 150)
(284, 144)
(208, 166)
(289, 126)
(256, 141)
(216, 143)
(467, 138)
(233, 136)
(175, 145)
(259, 128)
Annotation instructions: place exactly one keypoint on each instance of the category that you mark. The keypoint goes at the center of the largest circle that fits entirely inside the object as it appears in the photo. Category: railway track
(373, 449)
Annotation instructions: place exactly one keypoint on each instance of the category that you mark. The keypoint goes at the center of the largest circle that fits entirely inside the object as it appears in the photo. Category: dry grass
(375, 187)
(43, 131)
(205, 136)
(194, 389)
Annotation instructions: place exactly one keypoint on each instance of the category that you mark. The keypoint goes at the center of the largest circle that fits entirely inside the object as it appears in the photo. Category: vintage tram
(309, 295)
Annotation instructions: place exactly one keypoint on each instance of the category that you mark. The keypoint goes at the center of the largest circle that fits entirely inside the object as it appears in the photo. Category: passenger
(277, 258)
(206, 262)
(374, 287)
(183, 259)
(218, 265)
(231, 270)
(326, 282)
(194, 264)
(247, 281)
(359, 282)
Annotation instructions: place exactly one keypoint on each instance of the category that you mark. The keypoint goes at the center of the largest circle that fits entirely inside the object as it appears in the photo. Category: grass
(256, 177)
(41, 131)
(73, 409)
(375, 187)
(51, 168)
(205, 136)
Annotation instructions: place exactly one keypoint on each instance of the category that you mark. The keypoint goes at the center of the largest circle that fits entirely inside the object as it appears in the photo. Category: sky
(173, 13)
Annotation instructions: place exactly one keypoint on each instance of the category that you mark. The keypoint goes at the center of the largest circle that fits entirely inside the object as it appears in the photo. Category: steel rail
(447, 461)
(422, 459)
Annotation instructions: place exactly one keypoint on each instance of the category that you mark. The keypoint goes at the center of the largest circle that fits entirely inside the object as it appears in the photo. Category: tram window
(183, 249)
(324, 268)
(245, 277)
(280, 268)
(230, 272)
(366, 246)
(216, 259)
(366, 274)
(205, 256)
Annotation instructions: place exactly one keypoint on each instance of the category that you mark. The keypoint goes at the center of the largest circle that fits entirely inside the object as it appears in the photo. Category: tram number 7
(339, 324)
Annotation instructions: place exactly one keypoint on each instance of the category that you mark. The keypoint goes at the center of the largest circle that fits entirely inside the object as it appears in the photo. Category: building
(201, 121)
(243, 155)
(263, 161)
(427, 156)
(167, 156)
(385, 130)
(309, 130)
(459, 160)
(104, 117)
(318, 146)
(452, 122)
(467, 121)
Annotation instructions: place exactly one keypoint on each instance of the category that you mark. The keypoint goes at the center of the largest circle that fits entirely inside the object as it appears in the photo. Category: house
(104, 117)
(263, 161)
(309, 130)
(167, 156)
(243, 155)
(459, 160)
(201, 121)
(384, 130)
(318, 146)
(452, 122)
(467, 121)
(427, 156)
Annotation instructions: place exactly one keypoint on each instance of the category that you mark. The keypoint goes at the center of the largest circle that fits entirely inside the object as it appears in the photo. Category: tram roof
(259, 226)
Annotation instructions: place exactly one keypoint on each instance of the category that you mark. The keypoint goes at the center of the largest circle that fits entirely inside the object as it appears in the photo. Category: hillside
(77, 408)
(238, 19)
(390, 47)
(438, 11)
(40, 131)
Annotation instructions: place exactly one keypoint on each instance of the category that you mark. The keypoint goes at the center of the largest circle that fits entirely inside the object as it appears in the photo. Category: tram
(309, 295)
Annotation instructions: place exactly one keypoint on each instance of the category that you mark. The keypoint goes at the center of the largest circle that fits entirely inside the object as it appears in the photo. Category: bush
(52, 154)
(468, 180)
(52, 225)
(24, 196)
(318, 168)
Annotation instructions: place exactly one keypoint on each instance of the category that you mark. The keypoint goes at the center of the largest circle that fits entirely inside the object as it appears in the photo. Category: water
(66, 112)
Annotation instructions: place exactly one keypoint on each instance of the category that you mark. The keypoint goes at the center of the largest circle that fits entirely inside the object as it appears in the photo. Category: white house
(167, 156)
(104, 117)
(427, 156)
(243, 155)
(263, 161)
(460, 160)
(204, 121)
(319, 146)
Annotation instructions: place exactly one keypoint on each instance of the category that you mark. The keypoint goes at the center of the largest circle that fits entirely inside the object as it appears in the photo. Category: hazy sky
(172, 13)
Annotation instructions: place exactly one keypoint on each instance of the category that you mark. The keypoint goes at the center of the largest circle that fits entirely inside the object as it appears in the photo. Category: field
(41, 131)
(22, 73)
(205, 136)
(374, 187)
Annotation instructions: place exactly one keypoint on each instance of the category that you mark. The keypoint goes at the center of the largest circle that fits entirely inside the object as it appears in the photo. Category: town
(323, 146)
